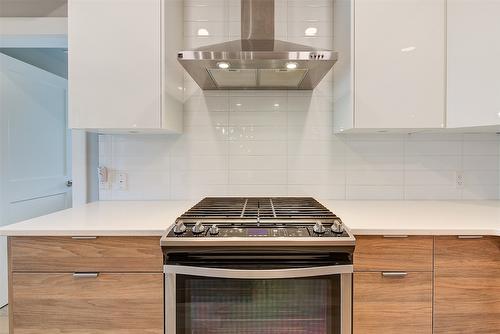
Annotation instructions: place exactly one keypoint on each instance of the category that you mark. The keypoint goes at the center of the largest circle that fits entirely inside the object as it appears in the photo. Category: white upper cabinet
(122, 69)
(473, 63)
(391, 69)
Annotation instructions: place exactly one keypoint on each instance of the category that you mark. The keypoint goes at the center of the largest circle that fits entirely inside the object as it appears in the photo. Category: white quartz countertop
(151, 218)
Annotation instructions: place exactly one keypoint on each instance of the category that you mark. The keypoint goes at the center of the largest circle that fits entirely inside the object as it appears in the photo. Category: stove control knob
(179, 227)
(319, 228)
(338, 227)
(214, 230)
(198, 228)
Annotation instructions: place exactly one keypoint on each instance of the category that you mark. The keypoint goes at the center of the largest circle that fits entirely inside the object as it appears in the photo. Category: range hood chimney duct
(257, 60)
(257, 19)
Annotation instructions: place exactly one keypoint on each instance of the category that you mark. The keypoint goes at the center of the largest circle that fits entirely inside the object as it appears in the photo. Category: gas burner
(258, 221)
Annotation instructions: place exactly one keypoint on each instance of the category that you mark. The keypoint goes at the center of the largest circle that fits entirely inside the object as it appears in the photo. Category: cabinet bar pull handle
(83, 238)
(396, 236)
(394, 274)
(470, 236)
(85, 275)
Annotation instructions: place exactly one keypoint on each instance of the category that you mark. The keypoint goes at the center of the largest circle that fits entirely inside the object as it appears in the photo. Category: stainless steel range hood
(257, 61)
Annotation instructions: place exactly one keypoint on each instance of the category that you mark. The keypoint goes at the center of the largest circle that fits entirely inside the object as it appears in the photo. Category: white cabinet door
(473, 63)
(399, 63)
(114, 64)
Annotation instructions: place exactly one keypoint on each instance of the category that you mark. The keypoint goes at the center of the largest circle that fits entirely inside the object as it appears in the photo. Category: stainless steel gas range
(258, 266)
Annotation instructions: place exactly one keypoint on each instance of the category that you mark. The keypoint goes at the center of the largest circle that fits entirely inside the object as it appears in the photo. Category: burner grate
(258, 208)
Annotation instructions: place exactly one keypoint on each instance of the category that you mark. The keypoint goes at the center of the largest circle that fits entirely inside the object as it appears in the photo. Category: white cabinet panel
(473, 63)
(116, 65)
(399, 63)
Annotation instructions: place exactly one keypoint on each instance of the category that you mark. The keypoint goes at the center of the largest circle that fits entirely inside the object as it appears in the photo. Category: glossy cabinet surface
(399, 63)
(395, 75)
(116, 65)
(473, 71)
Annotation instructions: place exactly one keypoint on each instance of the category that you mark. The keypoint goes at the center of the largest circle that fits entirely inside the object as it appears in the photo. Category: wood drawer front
(377, 253)
(392, 304)
(110, 303)
(103, 254)
(467, 285)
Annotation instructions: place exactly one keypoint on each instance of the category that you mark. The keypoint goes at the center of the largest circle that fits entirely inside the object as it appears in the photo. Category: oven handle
(257, 273)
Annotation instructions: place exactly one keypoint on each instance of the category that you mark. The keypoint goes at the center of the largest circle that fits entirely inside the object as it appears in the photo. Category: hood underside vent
(259, 61)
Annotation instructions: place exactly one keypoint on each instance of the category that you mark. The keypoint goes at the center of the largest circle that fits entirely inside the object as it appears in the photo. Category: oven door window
(207, 305)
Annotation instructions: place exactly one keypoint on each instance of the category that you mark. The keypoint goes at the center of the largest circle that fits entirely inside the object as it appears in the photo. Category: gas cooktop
(258, 221)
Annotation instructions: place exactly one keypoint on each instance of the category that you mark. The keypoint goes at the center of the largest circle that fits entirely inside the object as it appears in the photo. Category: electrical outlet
(459, 177)
(103, 175)
(122, 180)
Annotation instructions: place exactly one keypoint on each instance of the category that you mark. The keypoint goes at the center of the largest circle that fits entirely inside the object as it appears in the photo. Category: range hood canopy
(257, 61)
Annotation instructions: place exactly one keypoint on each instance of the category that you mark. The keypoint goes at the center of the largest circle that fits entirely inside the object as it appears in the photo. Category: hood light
(291, 66)
(223, 65)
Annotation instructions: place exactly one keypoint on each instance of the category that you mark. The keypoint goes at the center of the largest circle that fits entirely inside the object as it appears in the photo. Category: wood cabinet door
(378, 253)
(102, 254)
(389, 304)
(467, 285)
(108, 303)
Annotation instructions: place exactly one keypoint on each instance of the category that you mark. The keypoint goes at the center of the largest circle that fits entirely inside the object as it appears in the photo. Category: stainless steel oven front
(258, 294)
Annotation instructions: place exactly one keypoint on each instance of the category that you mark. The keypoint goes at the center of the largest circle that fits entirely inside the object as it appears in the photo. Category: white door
(34, 152)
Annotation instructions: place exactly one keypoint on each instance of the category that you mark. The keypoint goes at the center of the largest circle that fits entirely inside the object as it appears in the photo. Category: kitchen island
(434, 266)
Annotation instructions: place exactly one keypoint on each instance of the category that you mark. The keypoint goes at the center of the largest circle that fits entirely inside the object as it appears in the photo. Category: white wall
(282, 143)
(33, 8)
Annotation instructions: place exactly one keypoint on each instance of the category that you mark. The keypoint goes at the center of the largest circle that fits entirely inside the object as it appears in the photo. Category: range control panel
(215, 231)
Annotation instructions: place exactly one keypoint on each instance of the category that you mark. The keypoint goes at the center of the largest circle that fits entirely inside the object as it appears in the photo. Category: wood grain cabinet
(97, 285)
(392, 291)
(109, 303)
(467, 285)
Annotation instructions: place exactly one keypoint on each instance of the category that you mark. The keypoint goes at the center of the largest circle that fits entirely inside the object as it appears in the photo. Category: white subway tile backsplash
(279, 143)
(373, 162)
(256, 177)
(432, 192)
(367, 148)
(199, 162)
(480, 192)
(375, 177)
(257, 190)
(250, 132)
(257, 148)
(257, 162)
(318, 177)
(316, 162)
(354, 192)
(438, 178)
(433, 162)
(258, 118)
(481, 148)
(480, 162)
(318, 191)
(433, 147)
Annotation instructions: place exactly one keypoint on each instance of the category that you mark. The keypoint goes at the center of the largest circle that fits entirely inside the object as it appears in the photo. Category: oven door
(208, 300)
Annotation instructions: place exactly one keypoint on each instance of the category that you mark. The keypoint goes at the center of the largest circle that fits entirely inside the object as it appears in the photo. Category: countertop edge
(82, 233)
(159, 233)
(429, 232)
